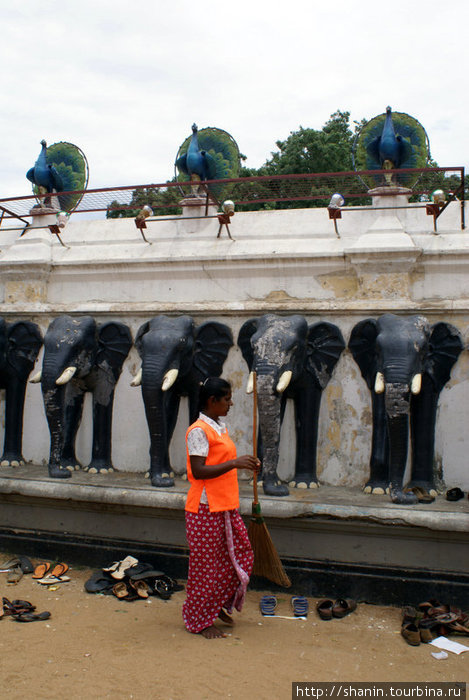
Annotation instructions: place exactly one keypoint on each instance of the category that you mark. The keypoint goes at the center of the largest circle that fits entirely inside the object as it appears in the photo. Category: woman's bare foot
(224, 617)
(212, 632)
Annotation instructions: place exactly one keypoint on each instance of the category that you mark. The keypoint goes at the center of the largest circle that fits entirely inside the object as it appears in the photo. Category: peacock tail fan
(224, 158)
(72, 166)
(414, 141)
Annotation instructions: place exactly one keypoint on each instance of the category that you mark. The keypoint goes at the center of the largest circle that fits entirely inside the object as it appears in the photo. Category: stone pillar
(384, 255)
(195, 206)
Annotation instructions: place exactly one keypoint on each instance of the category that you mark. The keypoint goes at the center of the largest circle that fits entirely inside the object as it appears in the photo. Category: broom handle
(254, 433)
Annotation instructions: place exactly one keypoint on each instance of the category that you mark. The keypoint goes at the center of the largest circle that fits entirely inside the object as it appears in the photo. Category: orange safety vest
(222, 491)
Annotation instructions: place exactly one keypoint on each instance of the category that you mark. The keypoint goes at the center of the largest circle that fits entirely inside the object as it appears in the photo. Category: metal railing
(251, 193)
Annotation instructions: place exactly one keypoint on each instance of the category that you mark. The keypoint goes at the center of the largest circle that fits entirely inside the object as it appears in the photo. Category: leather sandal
(454, 494)
(343, 607)
(411, 634)
(324, 608)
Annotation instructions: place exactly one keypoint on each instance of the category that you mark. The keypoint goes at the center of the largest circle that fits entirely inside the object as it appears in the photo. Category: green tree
(163, 201)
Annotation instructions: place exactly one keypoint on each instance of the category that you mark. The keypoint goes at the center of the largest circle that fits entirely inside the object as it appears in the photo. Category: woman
(220, 555)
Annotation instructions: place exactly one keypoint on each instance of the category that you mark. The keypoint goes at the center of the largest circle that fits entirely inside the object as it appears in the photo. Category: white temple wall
(282, 262)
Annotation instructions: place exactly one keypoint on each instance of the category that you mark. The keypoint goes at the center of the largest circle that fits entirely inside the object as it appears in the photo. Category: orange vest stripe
(222, 491)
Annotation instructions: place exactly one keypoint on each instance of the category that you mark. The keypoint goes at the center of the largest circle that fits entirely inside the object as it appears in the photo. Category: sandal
(300, 606)
(267, 605)
(41, 570)
(59, 570)
(324, 608)
(121, 590)
(343, 607)
(120, 571)
(454, 494)
(411, 634)
(32, 617)
(141, 587)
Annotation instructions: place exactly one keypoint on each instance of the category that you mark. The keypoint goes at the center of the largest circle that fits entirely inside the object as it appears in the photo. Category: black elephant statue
(405, 362)
(20, 343)
(292, 360)
(79, 356)
(176, 357)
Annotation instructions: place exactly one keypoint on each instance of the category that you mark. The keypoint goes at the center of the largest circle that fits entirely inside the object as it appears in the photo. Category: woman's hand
(247, 462)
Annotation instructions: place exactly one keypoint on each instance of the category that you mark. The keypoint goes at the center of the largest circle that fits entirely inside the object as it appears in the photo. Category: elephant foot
(304, 481)
(98, 467)
(6, 462)
(426, 486)
(163, 480)
(275, 488)
(406, 498)
(376, 487)
(56, 472)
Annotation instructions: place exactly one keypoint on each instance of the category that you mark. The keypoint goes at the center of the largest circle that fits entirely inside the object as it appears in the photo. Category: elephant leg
(378, 482)
(14, 406)
(398, 427)
(101, 461)
(307, 405)
(423, 420)
(72, 419)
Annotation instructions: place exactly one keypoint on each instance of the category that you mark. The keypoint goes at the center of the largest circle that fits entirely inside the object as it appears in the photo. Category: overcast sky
(124, 81)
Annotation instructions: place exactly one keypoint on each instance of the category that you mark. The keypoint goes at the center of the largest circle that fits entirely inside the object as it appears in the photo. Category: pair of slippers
(21, 611)
(16, 567)
(299, 604)
(327, 608)
(46, 576)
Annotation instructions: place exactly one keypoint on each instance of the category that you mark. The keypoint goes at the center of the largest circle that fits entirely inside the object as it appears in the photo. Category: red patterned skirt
(220, 564)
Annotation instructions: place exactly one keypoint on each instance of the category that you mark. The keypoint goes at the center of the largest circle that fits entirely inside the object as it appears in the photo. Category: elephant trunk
(156, 385)
(397, 402)
(269, 422)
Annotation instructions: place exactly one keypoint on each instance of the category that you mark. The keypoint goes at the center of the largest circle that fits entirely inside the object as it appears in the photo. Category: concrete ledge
(340, 503)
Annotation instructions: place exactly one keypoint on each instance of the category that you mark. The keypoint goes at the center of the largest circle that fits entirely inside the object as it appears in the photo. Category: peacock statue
(43, 175)
(209, 154)
(391, 141)
(60, 168)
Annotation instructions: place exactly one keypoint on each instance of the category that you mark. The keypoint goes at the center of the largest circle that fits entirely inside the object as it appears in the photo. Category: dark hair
(212, 386)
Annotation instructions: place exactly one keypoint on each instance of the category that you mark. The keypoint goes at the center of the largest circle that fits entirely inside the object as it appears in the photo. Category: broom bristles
(266, 560)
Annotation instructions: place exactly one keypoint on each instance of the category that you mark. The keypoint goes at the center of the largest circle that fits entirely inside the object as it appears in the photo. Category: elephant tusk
(37, 378)
(137, 380)
(250, 384)
(66, 375)
(284, 381)
(379, 383)
(169, 379)
(416, 384)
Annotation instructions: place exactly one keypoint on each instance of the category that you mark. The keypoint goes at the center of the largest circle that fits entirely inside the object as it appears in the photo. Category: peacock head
(44, 143)
(194, 128)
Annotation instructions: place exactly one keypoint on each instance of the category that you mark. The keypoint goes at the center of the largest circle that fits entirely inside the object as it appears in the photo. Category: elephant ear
(324, 346)
(114, 343)
(246, 332)
(444, 347)
(140, 333)
(24, 342)
(362, 346)
(212, 344)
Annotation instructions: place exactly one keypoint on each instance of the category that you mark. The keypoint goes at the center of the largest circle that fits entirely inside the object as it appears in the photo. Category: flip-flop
(121, 570)
(99, 583)
(422, 495)
(324, 608)
(41, 570)
(343, 607)
(300, 606)
(59, 570)
(267, 605)
(32, 617)
(49, 580)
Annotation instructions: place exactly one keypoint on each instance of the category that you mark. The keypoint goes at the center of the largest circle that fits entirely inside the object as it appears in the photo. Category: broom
(266, 560)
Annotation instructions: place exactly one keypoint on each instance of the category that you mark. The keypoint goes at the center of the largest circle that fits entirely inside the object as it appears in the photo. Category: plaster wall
(288, 261)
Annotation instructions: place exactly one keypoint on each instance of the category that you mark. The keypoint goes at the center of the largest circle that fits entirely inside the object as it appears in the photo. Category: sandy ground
(97, 646)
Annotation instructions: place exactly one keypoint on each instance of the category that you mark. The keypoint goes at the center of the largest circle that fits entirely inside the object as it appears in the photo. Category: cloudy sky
(124, 81)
